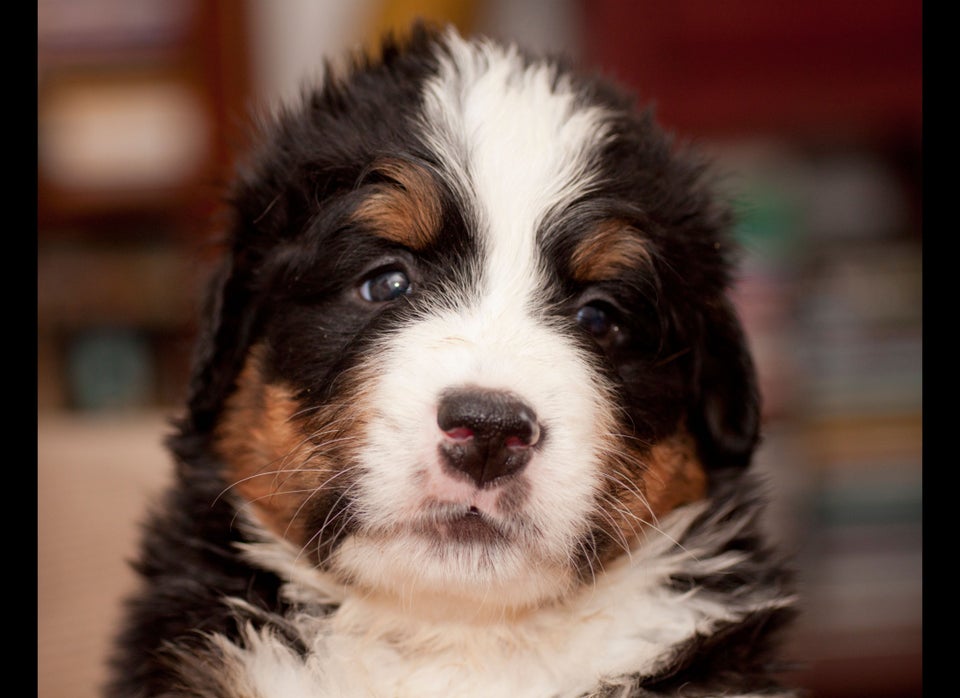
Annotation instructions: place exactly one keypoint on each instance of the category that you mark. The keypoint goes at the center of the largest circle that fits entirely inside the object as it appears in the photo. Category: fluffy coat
(471, 412)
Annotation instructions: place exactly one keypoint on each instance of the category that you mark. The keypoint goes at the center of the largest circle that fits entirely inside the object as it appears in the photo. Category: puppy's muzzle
(487, 435)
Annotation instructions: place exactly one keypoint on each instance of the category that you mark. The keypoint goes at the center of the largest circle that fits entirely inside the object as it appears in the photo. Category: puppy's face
(471, 339)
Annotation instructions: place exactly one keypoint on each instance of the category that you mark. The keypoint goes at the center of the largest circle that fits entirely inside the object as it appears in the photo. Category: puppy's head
(471, 337)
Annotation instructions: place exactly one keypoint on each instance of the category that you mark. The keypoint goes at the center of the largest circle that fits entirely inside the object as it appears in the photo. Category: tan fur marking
(269, 459)
(675, 475)
(612, 247)
(408, 210)
(671, 475)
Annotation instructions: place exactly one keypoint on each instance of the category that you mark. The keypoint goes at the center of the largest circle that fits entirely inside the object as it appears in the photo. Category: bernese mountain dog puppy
(472, 412)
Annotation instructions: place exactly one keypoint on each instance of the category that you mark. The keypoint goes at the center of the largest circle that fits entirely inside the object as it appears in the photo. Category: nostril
(488, 433)
(459, 433)
(518, 442)
(526, 432)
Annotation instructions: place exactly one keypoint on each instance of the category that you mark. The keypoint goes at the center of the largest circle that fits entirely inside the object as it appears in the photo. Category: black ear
(226, 327)
(256, 223)
(725, 416)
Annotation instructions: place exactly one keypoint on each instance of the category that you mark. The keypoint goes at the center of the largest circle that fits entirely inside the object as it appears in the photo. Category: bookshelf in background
(139, 104)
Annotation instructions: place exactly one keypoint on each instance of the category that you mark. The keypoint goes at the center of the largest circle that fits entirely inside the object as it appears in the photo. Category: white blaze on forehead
(514, 144)
(514, 140)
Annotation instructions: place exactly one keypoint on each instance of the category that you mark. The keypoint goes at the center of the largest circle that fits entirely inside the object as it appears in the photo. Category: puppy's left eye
(601, 321)
(384, 286)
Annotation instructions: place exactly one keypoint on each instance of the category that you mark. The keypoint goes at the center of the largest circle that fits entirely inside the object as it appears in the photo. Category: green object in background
(767, 223)
(109, 368)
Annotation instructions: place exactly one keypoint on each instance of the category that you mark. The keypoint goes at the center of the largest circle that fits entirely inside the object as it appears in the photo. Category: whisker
(632, 488)
(617, 535)
(589, 555)
(262, 473)
(651, 524)
(326, 522)
(247, 503)
(315, 491)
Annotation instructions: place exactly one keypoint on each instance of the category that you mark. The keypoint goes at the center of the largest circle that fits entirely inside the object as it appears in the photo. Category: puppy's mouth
(460, 525)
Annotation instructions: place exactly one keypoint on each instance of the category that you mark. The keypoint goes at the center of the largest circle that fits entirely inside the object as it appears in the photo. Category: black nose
(487, 434)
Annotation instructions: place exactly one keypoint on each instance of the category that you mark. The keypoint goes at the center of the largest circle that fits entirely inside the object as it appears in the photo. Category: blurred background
(814, 110)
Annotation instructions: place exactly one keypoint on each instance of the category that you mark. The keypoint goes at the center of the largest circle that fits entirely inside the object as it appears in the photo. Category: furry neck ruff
(692, 611)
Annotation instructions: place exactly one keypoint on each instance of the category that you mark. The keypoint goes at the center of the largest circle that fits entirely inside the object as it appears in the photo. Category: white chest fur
(629, 622)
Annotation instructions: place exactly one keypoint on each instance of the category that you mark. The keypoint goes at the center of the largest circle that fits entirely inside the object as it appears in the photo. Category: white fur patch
(630, 622)
(513, 142)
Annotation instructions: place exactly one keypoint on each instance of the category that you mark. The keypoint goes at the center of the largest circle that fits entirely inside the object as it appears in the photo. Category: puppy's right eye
(385, 285)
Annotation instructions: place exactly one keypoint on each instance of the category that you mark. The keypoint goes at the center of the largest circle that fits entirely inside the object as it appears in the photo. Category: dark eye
(600, 320)
(383, 286)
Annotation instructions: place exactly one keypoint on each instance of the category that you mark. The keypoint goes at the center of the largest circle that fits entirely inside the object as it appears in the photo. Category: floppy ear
(725, 416)
(227, 323)
(258, 219)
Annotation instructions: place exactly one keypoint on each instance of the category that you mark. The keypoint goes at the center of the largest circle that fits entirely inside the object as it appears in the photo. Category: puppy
(471, 413)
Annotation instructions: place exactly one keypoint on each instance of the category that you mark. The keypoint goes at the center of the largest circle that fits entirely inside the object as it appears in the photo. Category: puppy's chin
(460, 567)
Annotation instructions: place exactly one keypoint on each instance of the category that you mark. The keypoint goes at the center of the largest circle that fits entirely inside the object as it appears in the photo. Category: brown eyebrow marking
(613, 246)
(406, 209)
